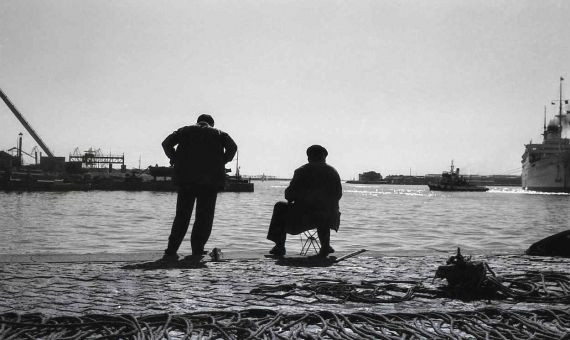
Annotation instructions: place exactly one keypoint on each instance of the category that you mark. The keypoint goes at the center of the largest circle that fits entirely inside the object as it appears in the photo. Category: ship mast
(558, 179)
(560, 102)
(560, 108)
(544, 130)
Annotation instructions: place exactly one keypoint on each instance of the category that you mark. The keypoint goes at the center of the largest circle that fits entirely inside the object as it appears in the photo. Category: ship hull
(546, 166)
(366, 182)
(550, 174)
(438, 187)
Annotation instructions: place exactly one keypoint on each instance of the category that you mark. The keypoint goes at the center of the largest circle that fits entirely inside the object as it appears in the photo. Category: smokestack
(20, 163)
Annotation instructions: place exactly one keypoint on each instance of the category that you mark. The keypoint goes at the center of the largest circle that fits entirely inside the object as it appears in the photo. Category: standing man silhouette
(199, 167)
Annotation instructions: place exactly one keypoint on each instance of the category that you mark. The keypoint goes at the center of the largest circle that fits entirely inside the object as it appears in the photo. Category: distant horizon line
(275, 178)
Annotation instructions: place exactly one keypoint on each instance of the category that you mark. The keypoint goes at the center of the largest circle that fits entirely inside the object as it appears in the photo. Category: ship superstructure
(452, 181)
(546, 166)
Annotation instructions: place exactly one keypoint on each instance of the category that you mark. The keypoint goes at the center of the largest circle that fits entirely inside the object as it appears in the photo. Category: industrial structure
(369, 177)
(95, 159)
(87, 170)
(50, 162)
(91, 159)
(26, 125)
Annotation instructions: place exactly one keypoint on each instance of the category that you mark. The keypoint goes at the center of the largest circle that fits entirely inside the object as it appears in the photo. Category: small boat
(452, 181)
(236, 183)
(233, 183)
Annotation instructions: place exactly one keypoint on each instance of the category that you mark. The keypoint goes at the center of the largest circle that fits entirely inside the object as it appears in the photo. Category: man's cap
(206, 118)
(316, 151)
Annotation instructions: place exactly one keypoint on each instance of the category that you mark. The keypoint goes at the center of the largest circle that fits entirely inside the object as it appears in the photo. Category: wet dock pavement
(74, 285)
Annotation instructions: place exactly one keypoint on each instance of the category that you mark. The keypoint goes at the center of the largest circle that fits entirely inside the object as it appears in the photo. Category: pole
(237, 165)
(558, 179)
(544, 132)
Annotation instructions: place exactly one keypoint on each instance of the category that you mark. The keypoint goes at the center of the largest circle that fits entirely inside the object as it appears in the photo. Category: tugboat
(452, 181)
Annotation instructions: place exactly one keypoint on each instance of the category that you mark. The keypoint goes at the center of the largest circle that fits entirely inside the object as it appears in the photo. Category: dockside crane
(25, 124)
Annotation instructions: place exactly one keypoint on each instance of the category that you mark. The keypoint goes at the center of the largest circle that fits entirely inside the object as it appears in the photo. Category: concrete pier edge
(229, 255)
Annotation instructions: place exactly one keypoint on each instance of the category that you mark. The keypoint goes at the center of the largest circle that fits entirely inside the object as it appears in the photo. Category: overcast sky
(390, 86)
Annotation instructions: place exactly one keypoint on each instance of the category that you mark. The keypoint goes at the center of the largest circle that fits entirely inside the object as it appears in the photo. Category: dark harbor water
(385, 218)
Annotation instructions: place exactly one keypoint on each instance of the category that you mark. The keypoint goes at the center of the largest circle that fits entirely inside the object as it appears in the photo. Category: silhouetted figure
(312, 202)
(554, 245)
(199, 166)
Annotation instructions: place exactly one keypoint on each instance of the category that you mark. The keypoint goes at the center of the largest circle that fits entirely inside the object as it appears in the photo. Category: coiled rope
(340, 291)
(489, 323)
(533, 286)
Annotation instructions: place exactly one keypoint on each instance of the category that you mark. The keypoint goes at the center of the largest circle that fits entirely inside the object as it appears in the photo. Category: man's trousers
(205, 200)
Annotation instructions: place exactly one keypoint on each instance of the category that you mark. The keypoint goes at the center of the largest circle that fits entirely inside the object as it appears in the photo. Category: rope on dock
(340, 291)
(489, 323)
(533, 287)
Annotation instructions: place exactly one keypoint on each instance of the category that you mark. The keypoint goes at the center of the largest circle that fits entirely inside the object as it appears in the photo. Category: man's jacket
(315, 191)
(201, 155)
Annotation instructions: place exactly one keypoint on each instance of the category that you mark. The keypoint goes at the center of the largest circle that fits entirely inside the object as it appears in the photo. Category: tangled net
(340, 291)
(533, 287)
(267, 324)
(539, 287)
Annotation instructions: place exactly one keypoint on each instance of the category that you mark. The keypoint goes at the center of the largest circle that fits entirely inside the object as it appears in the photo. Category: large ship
(546, 166)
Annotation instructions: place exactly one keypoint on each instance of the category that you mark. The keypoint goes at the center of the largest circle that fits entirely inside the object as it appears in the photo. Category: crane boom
(25, 123)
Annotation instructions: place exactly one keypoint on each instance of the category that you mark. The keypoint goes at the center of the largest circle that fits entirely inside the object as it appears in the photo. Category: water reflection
(376, 217)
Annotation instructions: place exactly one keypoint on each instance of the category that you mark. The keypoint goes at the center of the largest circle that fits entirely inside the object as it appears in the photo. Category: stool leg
(311, 240)
(316, 244)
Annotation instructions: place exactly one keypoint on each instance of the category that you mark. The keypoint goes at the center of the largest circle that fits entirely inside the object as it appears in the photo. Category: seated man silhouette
(312, 202)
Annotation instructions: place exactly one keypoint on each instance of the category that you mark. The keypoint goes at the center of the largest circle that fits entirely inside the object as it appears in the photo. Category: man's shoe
(326, 250)
(192, 259)
(277, 251)
(199, 252)
(169, 258)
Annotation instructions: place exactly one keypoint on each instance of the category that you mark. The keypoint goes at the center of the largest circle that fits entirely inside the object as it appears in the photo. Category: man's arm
(338, 187)
(168, 146)
(230, 148)
(291, 191)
